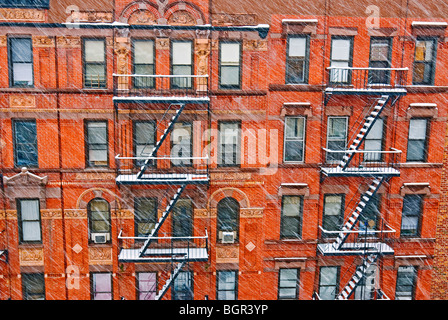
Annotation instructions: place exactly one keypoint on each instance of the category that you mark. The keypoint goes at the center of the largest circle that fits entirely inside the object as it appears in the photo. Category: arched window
(98, 211)
(228, 220)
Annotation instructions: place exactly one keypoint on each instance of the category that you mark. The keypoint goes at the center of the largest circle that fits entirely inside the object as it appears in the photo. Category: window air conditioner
(228, 237)
(100, 237)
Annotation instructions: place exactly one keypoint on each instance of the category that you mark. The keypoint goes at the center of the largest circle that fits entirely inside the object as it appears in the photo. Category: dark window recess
(40, 4)
(25, 143)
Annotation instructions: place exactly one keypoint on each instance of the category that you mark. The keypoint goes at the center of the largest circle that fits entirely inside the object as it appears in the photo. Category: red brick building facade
(222, 150)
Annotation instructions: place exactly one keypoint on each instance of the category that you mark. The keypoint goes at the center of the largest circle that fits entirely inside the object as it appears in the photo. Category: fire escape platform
(162, 99)
(361, 172)
(163, 255)
(367, 91)
(348, 249)
(158, 179)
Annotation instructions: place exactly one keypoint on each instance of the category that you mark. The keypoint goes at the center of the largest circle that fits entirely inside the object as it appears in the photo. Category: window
(94, 63)
(341, 57)
(101, 286)
(374, 141)
(33, 286)
(183, 286)
(21, 62)
(333, 212)
(29, 220)
(291, 218)
(97, 144)
(288, 284)
(143, 62)
(182, 64)
(99, 218)
(336, 137)
(406, 281)
(411, 215)
(182, 144)
(294, 139)
(183, 218)
(366, 286)
(328, 282)
(417, 140)
(230, 65)
(370, 216)
(380, 57)
(25, 143)
(425, 61)
(37, 4)
(297, 60)
(228, 218)
(144, 140)
(226, 285)
(146, 285)
(145, 215)
(229, 144)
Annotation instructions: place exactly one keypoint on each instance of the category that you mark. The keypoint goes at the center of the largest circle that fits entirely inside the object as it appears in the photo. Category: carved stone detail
(8, 14)
(201, 213)
(11, 214)
(144, 17)
(95, 16)
(100, 255)
(3, 41)
(251, 213)
(122, 52)
(227, 254)
(181, 18)
(22, 101)
(43, 41)
(68, 42)
(75, 214)
(51, 213)
(226, 19)
(31, 256)
(162, 44)
(255, 45)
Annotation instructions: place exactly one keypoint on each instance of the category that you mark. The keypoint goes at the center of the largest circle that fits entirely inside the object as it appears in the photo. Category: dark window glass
(145, 216)
(328, 282)
(226, 287)
(424, 61)
(183, 218)
(25, 143)
(406, 281)
(94, 63)
(29, 220)
(21, 62)
(380, 57)
(297, 60)
(182, 64)
(230, 65)
(229, 144)
(288, 284)
(143, 59)
(411, 215)
(96, 144)
(33, 286)
(228, 216)
(417, 140)
(291, 219)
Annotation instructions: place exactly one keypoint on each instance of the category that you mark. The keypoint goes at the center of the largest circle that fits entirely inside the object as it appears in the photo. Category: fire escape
(355, 237)
(171, 96)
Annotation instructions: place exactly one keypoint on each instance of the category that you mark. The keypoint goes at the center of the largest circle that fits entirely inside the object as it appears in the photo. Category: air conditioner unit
(228, 237)
(100, 237)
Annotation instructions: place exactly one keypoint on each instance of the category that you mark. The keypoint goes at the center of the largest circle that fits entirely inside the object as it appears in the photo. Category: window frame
(306, 60)
(135, 144)
(32, 278)
(341, 214)
(388, 61)
(299, 218)
(87, 144)
(85, 63)
(90, 220)
(11, 62)
(380, 156)
(93, 286)
(432, 63)
(426, 141)
(151, 86)
(183, 164)
(220, 64)
(20, 221)
(336, 286)
(178, 220)
(303, 140)
(137, 201)
(237, 154)
(138, 290)
(350, 60)
(417, 216)
(15, 144)
(328, 138)
(235, 284)
(414, 282)
(174, 86)
(236, 221)
(175, 294)
(297, 284)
